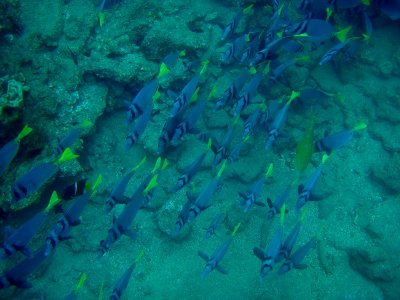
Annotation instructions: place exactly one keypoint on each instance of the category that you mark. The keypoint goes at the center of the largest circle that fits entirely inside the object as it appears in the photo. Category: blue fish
(71, 217)
(182, 100)
(139, 127)
(331, 53)
(31, 181)
(189, 123)
(183, 216)
(269, 51)
(9, 150)
(213, 262)
(287, 246)
(315, 30)
(275, 208)
(249, 92)
(334, 141)
(305, 190)
(189, 172)
(250, 197)
(210, 230)
(234, 51)
(142, 100)
(277, 72)
(270, 254)
(123, 282)
(275, 128)
(230, 29)
(18, 274)
(233, 91)
(295, 260)
(168, 131)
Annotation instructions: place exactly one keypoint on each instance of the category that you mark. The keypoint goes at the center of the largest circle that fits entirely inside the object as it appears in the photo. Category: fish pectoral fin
(300, 266)
(258, 252)
(260, 203)
(221, 269)
(132, 234)
(203, 255)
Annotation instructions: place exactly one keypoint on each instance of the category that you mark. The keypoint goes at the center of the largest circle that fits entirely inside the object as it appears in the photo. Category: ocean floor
(70, 69)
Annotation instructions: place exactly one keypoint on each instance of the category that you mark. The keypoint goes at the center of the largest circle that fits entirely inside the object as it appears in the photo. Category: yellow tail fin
(67, 155)
(102, 18)
(270, 171)
(342, 34)
(144, 159)
(222, 169)
(54, 200)
(24, 132)
(294, 95)
(235, 229)
(195, 95)
(139, 257)
(325, 158)
(359, 126)
(248, 10)
(152, 184)
(213, 92)
(204, 66)
(81, 282)
(164, 71)
(329, 13)
(282, 212)
(96, 184)
(86, 124)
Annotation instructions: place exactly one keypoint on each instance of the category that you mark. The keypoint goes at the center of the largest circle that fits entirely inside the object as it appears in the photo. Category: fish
(182, 100)
(233, 91)
(270, 254)
(277, 72)
(203, 200)
(188, 124)
(121, 224)
(75, 189)
(311, 30)
(183, 216)
(17, 240)
(249, 92)
(305, 147)
(10, 150)
(390, 8)
(139, 127)
(71, 217)
(231, 27)
(251, 123)
(290, 241)
(269, 51)
(117, 193)
(279, 119)
(35, 178)
(252, 46)
(275, 207)
(213, 262)
(169, 128)
(337, 140)
(189, 172)
(250, 197)
(142, 100)
(17, 275)
(332, 52)
(221, 150)
(210, 230)
(123, 282)
(295, 260)
(73, 135)
(305, 190)
(235, 50)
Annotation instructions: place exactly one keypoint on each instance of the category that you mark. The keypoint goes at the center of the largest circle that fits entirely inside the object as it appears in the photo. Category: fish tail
(222, 169)
(248, 10)
(342, 34)
(139, 164)
(67, 155)
(86, 124)
(152, 184)
(54, 200)
(24, 132)
(236, 228)
(282, 213)
(81, 282)
(359, 126)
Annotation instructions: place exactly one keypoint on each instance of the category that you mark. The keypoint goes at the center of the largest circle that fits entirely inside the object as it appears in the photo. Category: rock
(12, 100)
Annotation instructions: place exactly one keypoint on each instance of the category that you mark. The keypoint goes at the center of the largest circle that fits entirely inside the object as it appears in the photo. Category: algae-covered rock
(11, 99)
(387, 173)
